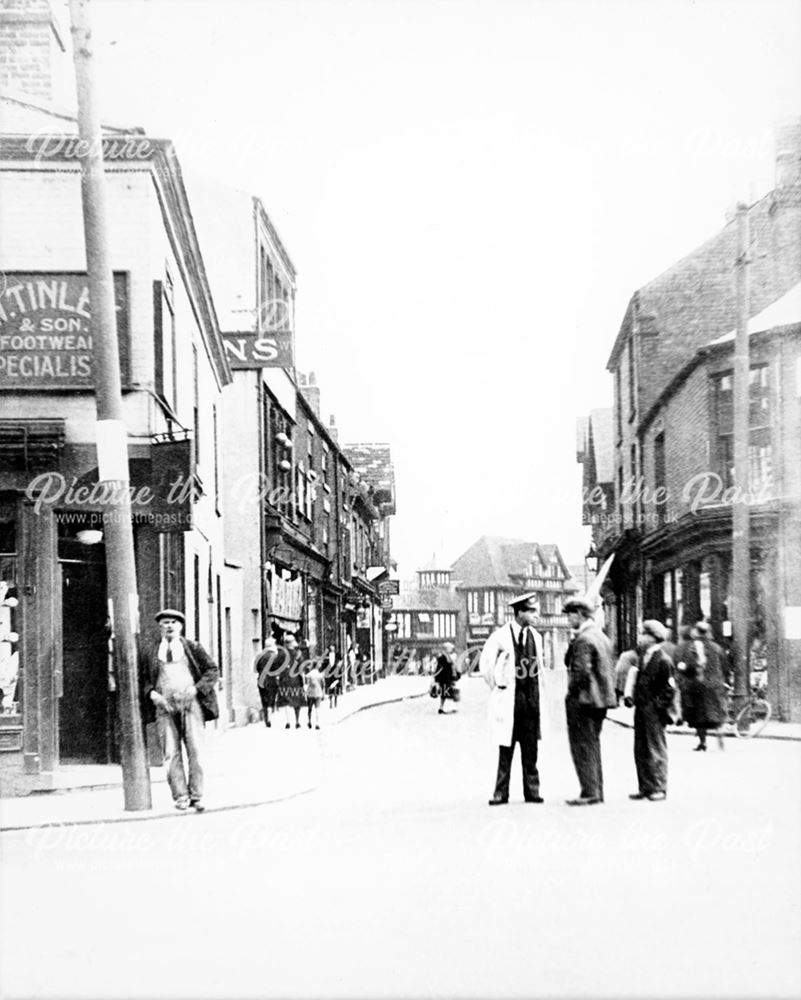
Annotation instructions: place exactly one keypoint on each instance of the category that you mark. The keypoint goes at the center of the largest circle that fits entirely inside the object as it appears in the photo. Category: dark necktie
(169, 653)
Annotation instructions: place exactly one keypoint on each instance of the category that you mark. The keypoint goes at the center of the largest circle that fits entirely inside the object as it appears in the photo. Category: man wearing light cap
(510, 663)
(179, 680)
(590, 692)
(652, 698)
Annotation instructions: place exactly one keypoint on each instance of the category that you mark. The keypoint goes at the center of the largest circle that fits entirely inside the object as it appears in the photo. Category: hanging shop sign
(273, 349)
(286, 596)
(46, 330)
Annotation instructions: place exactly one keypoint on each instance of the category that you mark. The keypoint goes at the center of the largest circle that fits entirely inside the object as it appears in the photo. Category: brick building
(494, 570)
(60, 704)
(669, 525)
(306, 531)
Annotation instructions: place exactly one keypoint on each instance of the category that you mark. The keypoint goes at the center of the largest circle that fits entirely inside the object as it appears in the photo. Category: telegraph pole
(112, 438)
(741, 542)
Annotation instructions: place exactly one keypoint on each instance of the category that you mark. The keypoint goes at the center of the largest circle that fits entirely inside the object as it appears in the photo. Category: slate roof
(785, 311)
(494, 561)
(373, 462)
(694, 301)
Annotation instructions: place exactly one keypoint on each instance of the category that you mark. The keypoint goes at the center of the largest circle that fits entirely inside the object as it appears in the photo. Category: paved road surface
(396, 879)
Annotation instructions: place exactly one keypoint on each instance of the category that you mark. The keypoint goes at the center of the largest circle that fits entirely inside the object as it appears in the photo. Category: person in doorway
(510, 663)
(590, 693)
(445, 674)
(654, 692)
(179, 681)
(291, 696)
(700, 664)
(314, 694)
(268, 666)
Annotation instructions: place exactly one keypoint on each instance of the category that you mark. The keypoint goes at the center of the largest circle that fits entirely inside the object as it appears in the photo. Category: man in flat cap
(179, 681)
(510, 663)
(653, 698)
(590, 692)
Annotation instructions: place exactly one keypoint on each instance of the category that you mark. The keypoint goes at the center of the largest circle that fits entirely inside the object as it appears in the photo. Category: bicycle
(754, 715)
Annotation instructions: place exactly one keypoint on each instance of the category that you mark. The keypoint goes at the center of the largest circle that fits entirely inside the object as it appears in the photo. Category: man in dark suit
(179, 687)
(653, 696)
(590, 692)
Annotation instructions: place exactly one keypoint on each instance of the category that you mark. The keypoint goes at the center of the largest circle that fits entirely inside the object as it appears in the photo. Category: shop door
(84, 730)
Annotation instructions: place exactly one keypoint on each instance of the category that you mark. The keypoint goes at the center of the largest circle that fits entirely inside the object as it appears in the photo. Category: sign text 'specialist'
(46, 332)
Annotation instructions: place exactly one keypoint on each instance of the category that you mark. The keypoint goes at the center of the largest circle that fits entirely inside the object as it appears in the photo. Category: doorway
(85, 719)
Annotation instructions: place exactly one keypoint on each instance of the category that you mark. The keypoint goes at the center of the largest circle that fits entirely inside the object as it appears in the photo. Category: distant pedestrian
(626, 660)
(653, 695)
(179, 686)
(268, 666)
(590, 692)
(510, 664)
(445, 674)
(314, 694)
(333, 676)
(701, 664)
(291, 696)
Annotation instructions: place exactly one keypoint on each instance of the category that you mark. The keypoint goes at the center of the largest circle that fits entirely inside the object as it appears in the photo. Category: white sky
(471, 192)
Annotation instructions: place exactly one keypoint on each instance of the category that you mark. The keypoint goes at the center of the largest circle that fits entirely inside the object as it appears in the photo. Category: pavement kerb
(685, 731)
(149, 815)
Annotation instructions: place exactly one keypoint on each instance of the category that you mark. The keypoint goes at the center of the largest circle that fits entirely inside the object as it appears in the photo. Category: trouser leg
(264, 695)
(505, 755)
(193, 737)
(170, 734)
(641, 752)
(584, 732)
(526, 735)
(657, 743)
(650, 750)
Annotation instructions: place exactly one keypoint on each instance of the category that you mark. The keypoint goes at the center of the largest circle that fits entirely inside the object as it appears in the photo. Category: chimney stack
(788, 153)
(32, 49)
(332, 428)
(311, 391)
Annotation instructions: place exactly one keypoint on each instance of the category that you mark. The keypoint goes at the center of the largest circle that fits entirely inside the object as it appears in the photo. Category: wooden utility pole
(112, 438)
(741, 543)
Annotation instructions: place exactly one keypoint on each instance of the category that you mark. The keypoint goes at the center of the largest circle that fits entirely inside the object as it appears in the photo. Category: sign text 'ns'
(260, 350)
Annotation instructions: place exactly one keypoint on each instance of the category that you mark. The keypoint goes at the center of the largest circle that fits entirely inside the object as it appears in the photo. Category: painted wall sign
(274, 349)
(46, 330)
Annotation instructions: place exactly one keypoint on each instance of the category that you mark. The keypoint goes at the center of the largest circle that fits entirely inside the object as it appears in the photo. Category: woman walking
(445, 674)
(291, 696)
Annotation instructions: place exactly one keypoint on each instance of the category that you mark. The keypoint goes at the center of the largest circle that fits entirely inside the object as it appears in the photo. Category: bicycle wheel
(752, 718)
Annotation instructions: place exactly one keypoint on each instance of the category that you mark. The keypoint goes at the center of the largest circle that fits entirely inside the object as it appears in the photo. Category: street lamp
(592, 559)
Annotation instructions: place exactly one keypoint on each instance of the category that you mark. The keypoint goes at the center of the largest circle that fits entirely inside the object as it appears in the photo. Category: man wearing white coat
(510, 664)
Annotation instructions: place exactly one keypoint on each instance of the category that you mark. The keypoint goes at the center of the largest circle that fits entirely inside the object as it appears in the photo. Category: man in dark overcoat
(179, 681)
(700, 663)
(590, 692)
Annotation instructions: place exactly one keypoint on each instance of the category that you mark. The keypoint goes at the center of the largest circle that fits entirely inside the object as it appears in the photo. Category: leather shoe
(535, 798)
(657, 797)
(584, 802)
(197, 805)
(638, 795)
(495, 801)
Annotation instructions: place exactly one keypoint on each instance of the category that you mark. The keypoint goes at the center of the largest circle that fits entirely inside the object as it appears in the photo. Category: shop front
(59, 700)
